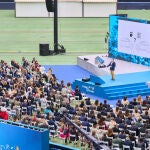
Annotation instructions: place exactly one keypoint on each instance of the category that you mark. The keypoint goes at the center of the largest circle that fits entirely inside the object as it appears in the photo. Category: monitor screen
(134, 38)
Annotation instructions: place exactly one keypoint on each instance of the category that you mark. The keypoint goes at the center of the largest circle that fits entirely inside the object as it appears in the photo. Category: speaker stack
(44, 49)
(50, 5)
(96, 83)
(85, 79)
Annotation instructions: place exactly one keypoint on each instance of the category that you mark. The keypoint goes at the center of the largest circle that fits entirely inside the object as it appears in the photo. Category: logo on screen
(8, 147)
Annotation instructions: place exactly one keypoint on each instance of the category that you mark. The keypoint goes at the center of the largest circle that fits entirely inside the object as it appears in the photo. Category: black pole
(55, 28)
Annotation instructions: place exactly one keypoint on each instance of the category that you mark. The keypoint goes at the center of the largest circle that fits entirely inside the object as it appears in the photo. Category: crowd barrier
(96, 143)
(56, 146)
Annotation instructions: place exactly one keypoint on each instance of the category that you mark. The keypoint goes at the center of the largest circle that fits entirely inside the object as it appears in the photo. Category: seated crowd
(32, 96)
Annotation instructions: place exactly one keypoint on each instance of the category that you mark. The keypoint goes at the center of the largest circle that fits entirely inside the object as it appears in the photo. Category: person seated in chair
(92, 119)
(122, 125)
(122, 135)
(88, 101)
(102, 125)
(128, 142)
(104, 137)
(125, 101)
(86, 123)
(105, 103)
(128, 121)
(132, 137)
(112, 114)
(110, 133)
(141, 144)
(136, 114)
(82, 104)
(147, 100)
(82, 117)
(118, 141)
(143, 129)
(116, 129)
(104, 112)
(73, 135)
(139, 123)
(3, 113)
(108, 108)
(78, 92)
(112, 123)
(52, 122)
(99, 107)
(146, 116)
(134, 128)
(119, 104)
(130, 105)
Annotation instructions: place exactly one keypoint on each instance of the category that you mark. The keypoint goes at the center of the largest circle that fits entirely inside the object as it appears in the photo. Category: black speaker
(86, 59)
(86, 79)
(44, 49)
(96, 83)
(50, 5)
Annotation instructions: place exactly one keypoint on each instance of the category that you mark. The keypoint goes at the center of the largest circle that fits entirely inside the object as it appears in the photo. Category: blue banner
(14, 137)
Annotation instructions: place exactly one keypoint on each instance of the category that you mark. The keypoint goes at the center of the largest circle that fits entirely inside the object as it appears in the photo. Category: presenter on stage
(112, 66)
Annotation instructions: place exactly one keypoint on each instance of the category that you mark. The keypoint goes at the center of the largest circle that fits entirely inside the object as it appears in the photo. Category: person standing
(112, 66)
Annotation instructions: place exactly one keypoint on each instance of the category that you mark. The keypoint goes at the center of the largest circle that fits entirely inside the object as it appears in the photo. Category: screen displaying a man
(112, 66)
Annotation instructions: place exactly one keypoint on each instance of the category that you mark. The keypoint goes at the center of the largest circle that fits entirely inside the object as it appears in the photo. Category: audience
(29, 95)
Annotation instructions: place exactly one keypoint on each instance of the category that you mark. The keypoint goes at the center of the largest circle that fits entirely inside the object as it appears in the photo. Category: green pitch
(80, 36)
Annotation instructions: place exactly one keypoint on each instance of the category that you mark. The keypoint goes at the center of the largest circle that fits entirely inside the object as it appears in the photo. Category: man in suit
(112, 66)
(128, 142)
(118, 141)
(122, 135)
(141, 144)
(52, 122)
(82, 117)
(86, 125)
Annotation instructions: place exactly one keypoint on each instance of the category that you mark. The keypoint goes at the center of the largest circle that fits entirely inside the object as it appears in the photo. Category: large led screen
(134, 38)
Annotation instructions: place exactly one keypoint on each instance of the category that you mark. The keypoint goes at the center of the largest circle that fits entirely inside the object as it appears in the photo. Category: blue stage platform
(130, 85)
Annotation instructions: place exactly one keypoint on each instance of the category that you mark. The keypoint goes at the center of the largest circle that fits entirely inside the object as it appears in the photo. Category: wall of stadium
(66, 8)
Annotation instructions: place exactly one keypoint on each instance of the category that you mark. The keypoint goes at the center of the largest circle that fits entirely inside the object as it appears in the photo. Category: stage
(131, 79)
(122, 67)
(130, 45)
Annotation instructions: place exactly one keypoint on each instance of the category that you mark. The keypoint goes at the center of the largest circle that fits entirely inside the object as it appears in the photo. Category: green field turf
(80, 36)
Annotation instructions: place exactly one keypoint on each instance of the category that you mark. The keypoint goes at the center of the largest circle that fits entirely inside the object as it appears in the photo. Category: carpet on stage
(69, 73)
